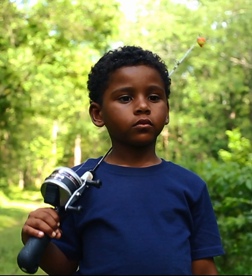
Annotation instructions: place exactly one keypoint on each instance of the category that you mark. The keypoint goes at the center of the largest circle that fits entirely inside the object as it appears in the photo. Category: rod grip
(29, 257)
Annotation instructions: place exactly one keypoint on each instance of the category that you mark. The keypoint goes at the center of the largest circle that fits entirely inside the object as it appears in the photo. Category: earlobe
(95, 114)
(167, 120)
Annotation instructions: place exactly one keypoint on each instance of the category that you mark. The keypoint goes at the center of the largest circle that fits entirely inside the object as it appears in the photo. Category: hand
(40, 222)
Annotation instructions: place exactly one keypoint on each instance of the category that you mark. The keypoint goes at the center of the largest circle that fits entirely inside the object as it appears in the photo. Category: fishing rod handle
(29, 257)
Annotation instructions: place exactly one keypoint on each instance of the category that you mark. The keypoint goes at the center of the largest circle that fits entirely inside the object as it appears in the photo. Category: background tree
(46, 51)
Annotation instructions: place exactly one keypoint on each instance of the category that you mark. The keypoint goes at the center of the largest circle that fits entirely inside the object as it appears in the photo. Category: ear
(95, 114)
(167, 119)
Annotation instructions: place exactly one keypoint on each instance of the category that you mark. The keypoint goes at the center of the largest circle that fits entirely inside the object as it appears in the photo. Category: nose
(142, 106)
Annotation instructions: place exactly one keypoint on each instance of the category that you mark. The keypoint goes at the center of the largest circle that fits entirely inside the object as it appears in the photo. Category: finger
(28, 232)
(47, 215)
(47, 226)
(58, 234)
(42, 212)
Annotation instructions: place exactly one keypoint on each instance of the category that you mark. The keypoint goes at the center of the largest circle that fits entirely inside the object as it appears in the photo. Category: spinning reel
(61, 189)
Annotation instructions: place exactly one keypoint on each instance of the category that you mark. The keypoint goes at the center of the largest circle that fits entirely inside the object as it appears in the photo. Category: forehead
(136, 73)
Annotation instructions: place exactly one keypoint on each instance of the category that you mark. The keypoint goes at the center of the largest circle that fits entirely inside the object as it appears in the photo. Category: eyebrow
(123, 89)
(130, 89)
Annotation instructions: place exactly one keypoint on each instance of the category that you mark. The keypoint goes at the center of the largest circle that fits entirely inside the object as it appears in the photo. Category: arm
(206, 237)
(204, 267)
(54, 262)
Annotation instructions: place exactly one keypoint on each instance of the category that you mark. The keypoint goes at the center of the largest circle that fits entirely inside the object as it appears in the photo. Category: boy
(151, 216)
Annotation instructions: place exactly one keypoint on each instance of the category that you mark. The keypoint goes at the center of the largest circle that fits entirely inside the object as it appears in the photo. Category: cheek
(113, 118)
(161, 113)
(116, 113)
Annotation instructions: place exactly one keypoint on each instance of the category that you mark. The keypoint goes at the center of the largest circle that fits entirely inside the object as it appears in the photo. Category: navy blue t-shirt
(142, 221)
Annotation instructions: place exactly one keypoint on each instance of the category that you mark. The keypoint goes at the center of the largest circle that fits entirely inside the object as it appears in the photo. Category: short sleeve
(205, 240)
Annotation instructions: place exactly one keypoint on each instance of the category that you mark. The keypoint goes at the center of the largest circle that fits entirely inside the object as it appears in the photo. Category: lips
(143, 122)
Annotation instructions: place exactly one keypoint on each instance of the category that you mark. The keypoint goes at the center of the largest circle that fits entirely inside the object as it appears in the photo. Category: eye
(154, 98)
(125, 99)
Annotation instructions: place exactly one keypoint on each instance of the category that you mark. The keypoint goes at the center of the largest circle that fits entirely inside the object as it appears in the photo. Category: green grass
(13, 214)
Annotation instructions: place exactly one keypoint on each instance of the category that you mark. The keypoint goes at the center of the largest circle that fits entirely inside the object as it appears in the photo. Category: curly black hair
(98, 78)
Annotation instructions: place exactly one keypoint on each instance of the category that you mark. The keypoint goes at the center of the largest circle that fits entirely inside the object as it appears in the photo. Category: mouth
(143, 122)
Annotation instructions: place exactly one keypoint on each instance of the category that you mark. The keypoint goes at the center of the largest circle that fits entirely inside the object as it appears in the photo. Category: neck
(129, 156)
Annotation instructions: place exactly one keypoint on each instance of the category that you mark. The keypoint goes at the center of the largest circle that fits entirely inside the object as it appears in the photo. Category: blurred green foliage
(46, 51)
(230, 186)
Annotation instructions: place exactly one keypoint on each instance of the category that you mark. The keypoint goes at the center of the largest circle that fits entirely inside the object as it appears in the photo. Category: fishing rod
(200, 41)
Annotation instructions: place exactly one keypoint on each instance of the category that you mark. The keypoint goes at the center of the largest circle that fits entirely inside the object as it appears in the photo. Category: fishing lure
(201, 41)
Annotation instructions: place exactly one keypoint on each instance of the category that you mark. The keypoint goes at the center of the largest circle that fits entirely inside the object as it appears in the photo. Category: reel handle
(29, 257)
(95, 183)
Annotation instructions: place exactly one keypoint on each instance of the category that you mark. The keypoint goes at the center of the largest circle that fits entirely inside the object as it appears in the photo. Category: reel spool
(60, 186)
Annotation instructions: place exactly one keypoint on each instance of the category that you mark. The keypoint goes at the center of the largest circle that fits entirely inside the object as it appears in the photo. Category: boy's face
(134, 108)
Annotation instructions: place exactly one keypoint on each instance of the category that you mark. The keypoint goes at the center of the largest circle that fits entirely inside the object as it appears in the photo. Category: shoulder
(87, 165)
(182, 173)
(181, 178)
